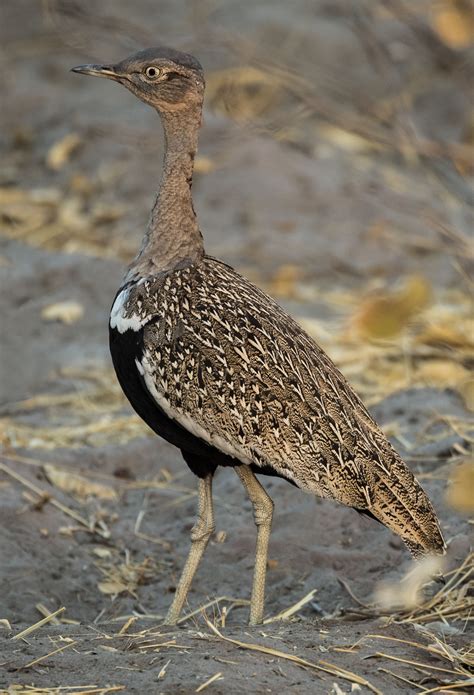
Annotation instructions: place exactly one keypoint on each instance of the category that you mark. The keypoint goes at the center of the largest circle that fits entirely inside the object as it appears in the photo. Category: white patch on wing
(186, 421)
(119, 318)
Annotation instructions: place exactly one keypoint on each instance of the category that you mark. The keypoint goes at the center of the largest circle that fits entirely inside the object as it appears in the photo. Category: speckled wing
(226, 362)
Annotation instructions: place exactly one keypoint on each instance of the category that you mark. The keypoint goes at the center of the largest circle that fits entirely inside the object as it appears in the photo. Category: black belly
(202, 458)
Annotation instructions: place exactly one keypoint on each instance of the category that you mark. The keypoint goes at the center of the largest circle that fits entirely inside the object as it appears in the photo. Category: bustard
(214, 365)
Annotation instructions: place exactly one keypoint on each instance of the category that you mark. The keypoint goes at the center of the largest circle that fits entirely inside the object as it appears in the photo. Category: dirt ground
(335, 170)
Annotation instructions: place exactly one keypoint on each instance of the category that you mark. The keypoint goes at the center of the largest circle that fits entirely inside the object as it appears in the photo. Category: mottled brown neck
(173, 237)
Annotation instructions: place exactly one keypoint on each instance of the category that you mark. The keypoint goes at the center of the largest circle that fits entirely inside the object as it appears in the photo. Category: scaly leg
(263, 513)
(200, 534)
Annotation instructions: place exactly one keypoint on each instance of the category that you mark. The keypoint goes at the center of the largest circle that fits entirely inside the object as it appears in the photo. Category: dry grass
(457, 665)
(92, 525)
(449, 667)
(452, 604)
(321, 665)
(32, 628)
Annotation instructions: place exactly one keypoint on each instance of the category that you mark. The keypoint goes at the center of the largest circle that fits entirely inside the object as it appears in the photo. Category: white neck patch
(121, 319)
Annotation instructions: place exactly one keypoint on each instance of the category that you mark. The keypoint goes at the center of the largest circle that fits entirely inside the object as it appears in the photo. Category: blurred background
(335, 170)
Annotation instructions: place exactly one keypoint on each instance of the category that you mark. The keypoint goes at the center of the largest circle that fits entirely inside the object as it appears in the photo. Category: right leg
(200, 534)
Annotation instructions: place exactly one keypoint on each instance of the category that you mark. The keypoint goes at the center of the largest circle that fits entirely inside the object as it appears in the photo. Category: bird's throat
(173, 237)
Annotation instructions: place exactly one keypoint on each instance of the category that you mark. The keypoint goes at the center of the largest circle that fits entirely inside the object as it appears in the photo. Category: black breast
(127, 347)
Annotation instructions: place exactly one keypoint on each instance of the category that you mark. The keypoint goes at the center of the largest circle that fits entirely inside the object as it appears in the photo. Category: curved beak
(97, 71)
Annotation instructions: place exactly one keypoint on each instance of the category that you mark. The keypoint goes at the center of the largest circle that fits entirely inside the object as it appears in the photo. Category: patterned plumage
(222, 359)
(217, 368)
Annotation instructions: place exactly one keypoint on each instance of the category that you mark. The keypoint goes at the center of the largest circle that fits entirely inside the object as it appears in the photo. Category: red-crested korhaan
(216, 367)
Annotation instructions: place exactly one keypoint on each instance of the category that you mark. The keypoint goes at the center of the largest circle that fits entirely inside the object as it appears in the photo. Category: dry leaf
(416, 294)
(125, 577)
(77, 485)
(62, 150)
(102, 552)
(112, 588)
(460, 493)
(385, 316)
(67, 312)
(454, 23)
(346, 140)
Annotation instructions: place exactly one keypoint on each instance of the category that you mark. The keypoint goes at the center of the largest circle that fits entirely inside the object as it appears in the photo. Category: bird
(217, 368)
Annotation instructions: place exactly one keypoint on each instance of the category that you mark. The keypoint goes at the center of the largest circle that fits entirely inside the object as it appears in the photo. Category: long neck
(173, 237)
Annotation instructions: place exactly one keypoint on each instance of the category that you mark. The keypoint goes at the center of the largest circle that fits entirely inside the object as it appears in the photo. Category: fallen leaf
(386, 315)
(346, 140)
(460, 493)
(112, 588)
(124, 577)
(102, 552)
(76, 484)
(416, 294)
(454, 23)
(67, 312)
(62, 150)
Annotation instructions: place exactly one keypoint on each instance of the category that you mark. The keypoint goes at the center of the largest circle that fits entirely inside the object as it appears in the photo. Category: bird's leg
(200, 534)
(263, 513)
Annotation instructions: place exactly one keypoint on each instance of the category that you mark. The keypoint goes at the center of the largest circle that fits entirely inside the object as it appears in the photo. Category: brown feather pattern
(232, 366)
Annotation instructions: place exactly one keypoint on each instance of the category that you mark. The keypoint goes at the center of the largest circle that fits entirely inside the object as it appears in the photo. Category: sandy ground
(319, 214)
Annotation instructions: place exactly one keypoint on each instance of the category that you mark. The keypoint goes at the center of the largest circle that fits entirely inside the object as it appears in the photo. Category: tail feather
(401, 504)
(386, 489)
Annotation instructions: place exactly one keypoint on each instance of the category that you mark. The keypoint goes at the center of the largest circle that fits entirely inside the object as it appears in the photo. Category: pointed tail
(397, 499)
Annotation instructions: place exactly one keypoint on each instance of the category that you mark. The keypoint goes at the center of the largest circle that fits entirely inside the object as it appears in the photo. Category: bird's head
(166, 79)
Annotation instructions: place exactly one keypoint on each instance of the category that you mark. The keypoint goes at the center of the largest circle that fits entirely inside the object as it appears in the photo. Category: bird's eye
(152, 73)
